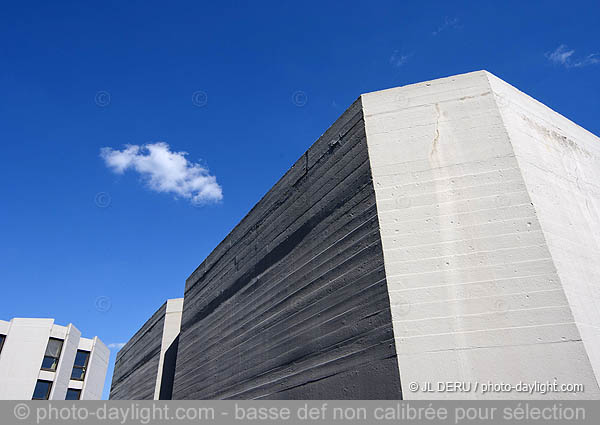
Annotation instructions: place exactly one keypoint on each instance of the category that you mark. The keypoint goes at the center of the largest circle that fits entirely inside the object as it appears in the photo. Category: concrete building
(40, 360)
(446, 231)
(145, 366)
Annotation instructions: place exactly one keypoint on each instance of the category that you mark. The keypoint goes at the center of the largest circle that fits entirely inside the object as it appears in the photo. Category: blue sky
(102, 238)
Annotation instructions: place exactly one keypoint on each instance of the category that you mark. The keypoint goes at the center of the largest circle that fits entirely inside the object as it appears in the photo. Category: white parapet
(171, 328)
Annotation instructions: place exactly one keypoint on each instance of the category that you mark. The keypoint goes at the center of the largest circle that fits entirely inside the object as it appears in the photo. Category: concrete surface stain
(436, 137)
(552, 135)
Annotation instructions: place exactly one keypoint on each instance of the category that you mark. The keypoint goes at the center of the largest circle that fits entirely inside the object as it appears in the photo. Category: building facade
(40, 360)
(446, 231)
(145, 366)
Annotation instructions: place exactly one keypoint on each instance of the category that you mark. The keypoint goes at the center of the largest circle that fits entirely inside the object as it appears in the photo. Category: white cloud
(561, 55)
(165, 171)
(564, 56)
(398, 59)
(448, 23)
(590, 59)
(117, 345)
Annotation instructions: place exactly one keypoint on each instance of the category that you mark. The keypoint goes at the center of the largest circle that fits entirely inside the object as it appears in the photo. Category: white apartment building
(40, 360)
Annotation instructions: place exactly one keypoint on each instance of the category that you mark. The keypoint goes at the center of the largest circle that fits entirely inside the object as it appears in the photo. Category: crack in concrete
(436, 138)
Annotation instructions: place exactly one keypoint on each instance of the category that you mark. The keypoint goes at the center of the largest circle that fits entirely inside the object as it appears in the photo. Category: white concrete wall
(24, 349)
(171, 329)
(22, 356)
(474, 291)
(4, 326)
(560, 163)
(95, 376)
(70, 336)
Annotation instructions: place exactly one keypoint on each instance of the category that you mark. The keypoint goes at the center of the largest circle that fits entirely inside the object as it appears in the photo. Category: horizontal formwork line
(384, 196)
(487, 330)
(375, 128)
(439, 93)
(463, 255)
(422, 160)
(403, 247)
(472, 268)
(487, 313)
(379, 186)
(455, 231)
(457, 228)
(456, 213)
(490, 346)
(483, 161)
(475, 282)
(454, 189)
(446, 300)
(453, 201)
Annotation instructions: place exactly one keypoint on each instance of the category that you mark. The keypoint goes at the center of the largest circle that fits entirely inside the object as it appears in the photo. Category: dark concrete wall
(293, 304)
(136, 367)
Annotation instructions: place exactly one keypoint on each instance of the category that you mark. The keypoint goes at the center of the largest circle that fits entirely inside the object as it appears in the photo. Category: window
(73, 394)
(2, 338)
(42, 390)
(80, 366)
(52, 355)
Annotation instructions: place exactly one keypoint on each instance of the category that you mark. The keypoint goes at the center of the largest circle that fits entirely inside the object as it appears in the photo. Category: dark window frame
(78, 390)
(47, 396)
(83, 368)
(2, 339)
(57, 359)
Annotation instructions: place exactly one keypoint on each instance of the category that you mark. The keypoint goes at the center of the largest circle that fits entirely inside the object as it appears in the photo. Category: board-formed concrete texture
(488, 205)
(145, 366)
(446, 231)
(293, 304)
(136, 366)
